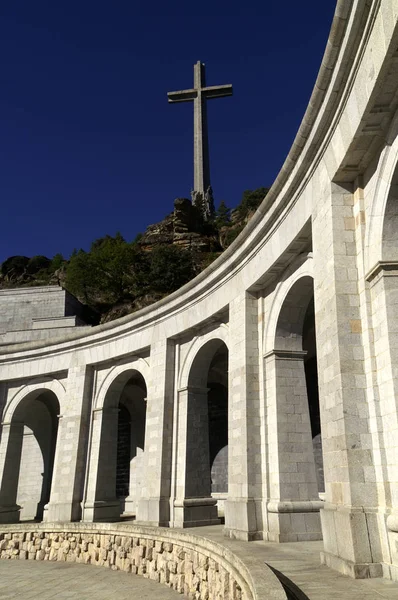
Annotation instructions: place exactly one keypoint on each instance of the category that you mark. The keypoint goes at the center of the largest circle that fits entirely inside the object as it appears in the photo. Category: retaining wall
(197, 567)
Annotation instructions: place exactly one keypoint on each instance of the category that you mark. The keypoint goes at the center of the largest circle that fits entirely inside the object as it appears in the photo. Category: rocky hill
(117, 277)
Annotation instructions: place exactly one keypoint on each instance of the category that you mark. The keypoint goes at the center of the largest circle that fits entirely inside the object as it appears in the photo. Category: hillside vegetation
(116, 277)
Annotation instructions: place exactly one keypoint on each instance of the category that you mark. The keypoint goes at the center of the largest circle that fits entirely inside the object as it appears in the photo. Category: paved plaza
(33, 579)
(300, 562)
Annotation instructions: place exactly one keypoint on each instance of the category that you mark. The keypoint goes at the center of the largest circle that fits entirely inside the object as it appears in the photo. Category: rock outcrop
(185, 228)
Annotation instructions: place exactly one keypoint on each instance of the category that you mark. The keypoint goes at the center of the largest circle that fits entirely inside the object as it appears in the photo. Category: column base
(101, 510)
(352, 537)
(62, 512)
(31, 511)
(354, 570)
(10, 514)
(153, 511)
(241, 519)
(293, 521)
(195, 512)
(129, 506)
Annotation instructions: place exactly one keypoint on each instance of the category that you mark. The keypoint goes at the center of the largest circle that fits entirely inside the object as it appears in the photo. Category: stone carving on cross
(202, 195)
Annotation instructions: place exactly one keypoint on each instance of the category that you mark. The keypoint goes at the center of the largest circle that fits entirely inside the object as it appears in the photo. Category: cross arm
(182, 96)
(217, 91)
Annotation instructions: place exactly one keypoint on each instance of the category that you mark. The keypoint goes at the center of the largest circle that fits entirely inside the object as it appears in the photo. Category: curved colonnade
(264, 391)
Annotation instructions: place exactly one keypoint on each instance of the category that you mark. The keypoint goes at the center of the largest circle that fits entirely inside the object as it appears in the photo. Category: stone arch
(121, 373)
(381, 243)
(301, 269)
(290, 323)
(29, 444)
(209, 370)
(118, 431)
(294, 342)
(381, 255)
(389, 240)
(53, 385)
(204, 423)
(215, 338)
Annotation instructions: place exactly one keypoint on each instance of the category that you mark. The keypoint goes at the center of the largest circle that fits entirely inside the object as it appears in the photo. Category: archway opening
(207, 443)
(311, 378)
(296, 335)
(217, 401)
(130, 444)
(390, 222)
(29, 463)
(120, 465)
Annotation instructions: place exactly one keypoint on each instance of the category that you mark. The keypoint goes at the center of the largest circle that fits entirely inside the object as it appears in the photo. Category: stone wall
(196, 567)
(37, 313)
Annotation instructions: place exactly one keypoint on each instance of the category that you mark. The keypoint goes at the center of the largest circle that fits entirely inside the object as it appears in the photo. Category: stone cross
(199, 94)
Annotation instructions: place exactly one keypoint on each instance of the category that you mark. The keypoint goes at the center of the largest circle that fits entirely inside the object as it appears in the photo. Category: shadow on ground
(292, 591)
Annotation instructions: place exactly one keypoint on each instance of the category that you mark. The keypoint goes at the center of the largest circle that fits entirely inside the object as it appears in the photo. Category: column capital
(10, 423)
(383, 268)
(287, 354)
(194, 389)
(106, 409)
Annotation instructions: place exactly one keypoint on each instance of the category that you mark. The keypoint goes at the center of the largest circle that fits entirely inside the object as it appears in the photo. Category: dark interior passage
(28, 473)
(218, 436)
(130, 442)
(217, 398)
(207, 427)
(123, 453)
(311, 377)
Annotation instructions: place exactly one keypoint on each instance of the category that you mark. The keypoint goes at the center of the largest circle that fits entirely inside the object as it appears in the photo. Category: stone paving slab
(300, 562)
(31, 579)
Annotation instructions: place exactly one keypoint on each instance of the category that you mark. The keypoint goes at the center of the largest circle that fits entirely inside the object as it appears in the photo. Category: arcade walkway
(300, 562)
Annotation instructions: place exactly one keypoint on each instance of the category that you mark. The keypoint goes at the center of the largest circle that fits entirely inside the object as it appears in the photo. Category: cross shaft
(198, 95)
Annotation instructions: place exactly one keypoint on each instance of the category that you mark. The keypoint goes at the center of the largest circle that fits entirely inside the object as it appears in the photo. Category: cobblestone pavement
(31, 580)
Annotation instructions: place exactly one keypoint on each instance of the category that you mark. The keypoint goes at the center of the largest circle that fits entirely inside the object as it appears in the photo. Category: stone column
(293, 505)
(193, 505)
(350, 489)
(136, 472)
(243, 506)
(384, 295)
(31, 480)
(154, 505)
(100, 502)
(383, 281)
(71, 448)
(10, 462)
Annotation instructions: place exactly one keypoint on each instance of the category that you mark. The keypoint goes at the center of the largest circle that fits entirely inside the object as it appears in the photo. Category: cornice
(386, 268)
(287, 354)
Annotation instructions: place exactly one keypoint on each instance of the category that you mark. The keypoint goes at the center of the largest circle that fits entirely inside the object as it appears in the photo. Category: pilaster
(383, 283)
(10, 462)
(100, 502)
(71, 448)
(154, 505)
(350, 490)
(243, 505)
(293, 506)
(193, 504)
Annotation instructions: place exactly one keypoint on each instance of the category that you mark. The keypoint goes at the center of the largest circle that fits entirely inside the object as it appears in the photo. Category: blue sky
(89, 144)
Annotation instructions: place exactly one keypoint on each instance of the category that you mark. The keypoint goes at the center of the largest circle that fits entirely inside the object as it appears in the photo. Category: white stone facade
(296, 325)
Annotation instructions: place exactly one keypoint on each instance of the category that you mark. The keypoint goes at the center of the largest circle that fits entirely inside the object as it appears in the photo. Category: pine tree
(223, 216)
